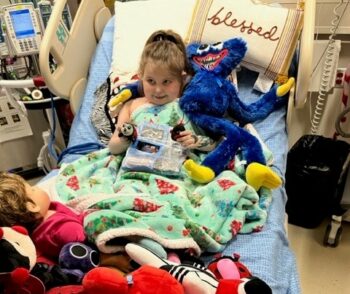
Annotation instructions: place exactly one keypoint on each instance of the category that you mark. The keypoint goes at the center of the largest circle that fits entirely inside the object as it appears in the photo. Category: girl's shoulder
(136, 103)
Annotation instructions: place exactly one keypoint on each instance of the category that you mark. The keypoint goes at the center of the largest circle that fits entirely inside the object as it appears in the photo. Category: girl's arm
(191, 141)
(117, 144)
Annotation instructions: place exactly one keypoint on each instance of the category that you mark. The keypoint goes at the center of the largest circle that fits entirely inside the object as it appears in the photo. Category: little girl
(163, 72)
(50, 224)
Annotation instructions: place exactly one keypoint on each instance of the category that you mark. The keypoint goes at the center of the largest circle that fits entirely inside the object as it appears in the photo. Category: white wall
(23, 152)
(301, 119)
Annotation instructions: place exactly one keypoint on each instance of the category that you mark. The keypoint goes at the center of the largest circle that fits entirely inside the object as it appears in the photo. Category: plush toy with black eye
(76, 259)
(128, 131)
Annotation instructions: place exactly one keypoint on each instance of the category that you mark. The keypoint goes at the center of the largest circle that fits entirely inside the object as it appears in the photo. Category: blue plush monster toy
(208, 97)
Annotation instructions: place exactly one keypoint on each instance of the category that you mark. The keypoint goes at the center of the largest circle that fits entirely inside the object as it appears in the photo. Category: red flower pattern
(166, 187)
(145, 206)
(73, 183)
(236, 226)
(226, 184)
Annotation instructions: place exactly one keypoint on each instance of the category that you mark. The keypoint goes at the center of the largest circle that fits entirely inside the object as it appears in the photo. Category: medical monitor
(23, 30)
(22, 23)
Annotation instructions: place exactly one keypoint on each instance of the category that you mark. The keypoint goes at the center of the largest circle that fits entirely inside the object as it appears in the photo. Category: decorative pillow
(271, 32)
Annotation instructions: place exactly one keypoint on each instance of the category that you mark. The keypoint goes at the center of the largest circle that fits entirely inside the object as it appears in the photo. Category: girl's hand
(187, 139)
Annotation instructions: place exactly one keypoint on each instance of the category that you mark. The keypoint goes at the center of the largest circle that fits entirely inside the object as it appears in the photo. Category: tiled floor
(322, 269)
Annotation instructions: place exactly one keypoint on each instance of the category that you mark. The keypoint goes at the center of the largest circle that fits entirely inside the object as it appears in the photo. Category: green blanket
(177, 213)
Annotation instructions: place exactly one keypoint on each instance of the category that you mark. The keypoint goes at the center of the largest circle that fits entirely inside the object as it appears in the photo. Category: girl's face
(160, 86)
(40, 198)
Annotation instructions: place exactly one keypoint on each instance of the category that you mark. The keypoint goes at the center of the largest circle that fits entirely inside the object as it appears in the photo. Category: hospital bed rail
(71, 50)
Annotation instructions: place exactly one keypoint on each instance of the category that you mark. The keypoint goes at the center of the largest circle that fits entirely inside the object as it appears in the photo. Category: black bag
(313, 177)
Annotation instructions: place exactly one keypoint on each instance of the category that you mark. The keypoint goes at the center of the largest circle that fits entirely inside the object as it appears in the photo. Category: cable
(81, 149)
(345, 99)
(48, 158)
(51, 143)
(44, 160)
(338, 123)
(327, 69)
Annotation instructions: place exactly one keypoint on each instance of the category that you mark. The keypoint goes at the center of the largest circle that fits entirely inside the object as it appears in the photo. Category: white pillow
(271, 32)
(135, 21)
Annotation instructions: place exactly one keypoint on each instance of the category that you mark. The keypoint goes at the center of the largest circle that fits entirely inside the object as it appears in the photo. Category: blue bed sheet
(267, 253)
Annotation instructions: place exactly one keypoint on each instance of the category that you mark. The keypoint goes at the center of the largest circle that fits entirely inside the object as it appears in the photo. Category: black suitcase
(315, 165)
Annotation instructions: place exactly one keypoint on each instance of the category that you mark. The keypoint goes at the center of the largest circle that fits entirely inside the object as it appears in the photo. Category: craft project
(153, 150)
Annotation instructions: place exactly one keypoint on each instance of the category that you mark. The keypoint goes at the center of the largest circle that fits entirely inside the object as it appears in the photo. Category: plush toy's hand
(259, 175)
(199, 173)
(285, 88)
(121, 97)
(115, 103)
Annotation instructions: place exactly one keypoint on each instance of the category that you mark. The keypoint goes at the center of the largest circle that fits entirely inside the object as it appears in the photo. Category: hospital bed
(83, 58)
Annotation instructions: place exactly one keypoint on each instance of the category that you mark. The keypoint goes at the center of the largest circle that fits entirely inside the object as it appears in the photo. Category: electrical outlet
(339, 77)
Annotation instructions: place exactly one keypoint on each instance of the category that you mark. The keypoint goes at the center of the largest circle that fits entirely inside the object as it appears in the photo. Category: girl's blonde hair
(14, 203)
(167, 48)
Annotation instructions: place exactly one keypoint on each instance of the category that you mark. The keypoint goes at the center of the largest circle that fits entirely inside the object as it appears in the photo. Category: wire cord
(338, 122)
(327, 69)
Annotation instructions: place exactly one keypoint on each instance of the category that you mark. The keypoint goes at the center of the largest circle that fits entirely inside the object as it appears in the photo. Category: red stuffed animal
(145, 280)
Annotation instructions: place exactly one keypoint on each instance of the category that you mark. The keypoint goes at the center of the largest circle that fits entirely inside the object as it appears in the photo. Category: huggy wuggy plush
(208, 97)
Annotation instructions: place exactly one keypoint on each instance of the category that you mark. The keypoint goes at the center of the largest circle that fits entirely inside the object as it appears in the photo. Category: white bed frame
(74, 53)
(73, 50)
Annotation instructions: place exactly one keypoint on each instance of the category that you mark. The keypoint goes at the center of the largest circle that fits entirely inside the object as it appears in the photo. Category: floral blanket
(177, 213)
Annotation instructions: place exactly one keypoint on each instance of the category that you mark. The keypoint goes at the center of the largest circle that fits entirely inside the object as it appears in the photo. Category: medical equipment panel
(44, 10)
(23, 29)
(4, 51)
(66, 16)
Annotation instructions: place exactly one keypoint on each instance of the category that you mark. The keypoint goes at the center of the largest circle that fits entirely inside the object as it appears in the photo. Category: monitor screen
(22, 23)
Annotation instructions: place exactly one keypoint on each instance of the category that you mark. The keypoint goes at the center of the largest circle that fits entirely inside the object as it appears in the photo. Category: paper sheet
(13, 124)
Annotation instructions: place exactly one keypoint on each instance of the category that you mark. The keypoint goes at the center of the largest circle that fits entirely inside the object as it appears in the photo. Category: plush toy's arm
(269, 102)
(128, 92)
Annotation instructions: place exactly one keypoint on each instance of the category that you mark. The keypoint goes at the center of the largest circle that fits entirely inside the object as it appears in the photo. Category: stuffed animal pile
(21, 272)
(79, 272)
